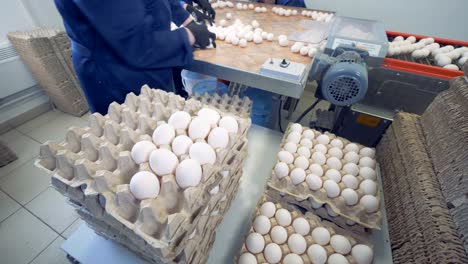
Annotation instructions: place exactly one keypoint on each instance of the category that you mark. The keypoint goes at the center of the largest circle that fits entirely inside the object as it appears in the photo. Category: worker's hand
(206, 7)
(199, 16)
(203, 37)
(191, 37)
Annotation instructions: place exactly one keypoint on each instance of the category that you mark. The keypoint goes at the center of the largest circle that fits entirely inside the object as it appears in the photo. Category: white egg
(292, 259)
(350, 181)
(283, 42)
(334, 163)
(210, 115)
(203, 153)
(463, 60)
(251, 6)
(316, 169)
(290, 147)
(352, 147)
(235, 41)
(351, 168)
(297, 176)
(218, 138)
(144, 185)
(301, 226)
(141, 151)
(399, 38)
(285, 157)
(305, 142)
(249, 36)
(443, 60)
(268, 209)
(331, 188)
(321, 148)
(229, 123)
(451, 67)
(243, 43)
(199, 128)
(367, 173)
(247, 258)
(333, 175)
(370, 203)
(337, 259)
(351, 157)
(304, 51)
(319, 158)
(301, 162)
(188, 173)
(297, 244)
(314, 182)
(350, 196)
(181, 145)
(255, 24)
(294, 12)
(279, 235)
(309, 133)
(264, 35)
(323, 139)
(163, 135)
(281, 170)
(179, 120)
(336, 152)
(368, 187)
(340, 244)
(366, 162)
(273, 253)
(270, 36)
(296, 127)
(362, 254)
(255, 243)
(317, 254)
(321, 236)
(283, 217)
(294, 137)
(367, 152)
(312, 52)
(228, 16)
(262, 225)
(163, 161)
(222, 22)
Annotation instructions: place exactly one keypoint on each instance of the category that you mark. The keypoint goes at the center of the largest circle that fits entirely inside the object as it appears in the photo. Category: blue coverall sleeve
(179, 14)
(134, 36)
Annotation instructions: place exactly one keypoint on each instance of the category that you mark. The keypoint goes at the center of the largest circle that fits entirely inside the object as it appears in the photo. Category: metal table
(87, 247)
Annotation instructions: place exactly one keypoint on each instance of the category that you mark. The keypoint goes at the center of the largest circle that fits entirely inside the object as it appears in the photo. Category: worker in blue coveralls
(120, 45)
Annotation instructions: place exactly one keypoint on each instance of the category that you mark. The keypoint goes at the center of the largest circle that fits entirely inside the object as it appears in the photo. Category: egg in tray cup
(157, 173)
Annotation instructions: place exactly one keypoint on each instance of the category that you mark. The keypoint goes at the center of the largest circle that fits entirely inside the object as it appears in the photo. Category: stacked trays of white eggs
(316, 170)
(279, 235)
(155, 170)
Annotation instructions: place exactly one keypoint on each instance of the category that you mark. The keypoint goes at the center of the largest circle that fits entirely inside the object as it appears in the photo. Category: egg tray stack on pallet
(94, 168)
(330, 176)
(445, 125)
(282, 234)
(421, 229)
(47, 54)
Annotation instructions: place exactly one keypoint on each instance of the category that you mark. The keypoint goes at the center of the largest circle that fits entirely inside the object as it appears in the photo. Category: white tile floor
(34, 218)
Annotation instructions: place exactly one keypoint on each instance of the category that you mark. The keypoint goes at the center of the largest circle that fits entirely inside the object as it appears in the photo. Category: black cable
(279, 115)
(299, 119)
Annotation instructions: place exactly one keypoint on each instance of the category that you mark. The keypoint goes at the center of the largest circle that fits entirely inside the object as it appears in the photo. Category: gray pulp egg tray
(93, 168)
(314, 221)
(350, 217)
(420, 225)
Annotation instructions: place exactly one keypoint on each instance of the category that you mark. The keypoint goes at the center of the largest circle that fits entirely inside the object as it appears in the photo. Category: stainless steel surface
(253, 79)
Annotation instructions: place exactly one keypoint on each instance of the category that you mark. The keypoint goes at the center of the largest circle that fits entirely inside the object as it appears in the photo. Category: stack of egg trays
(227, 103)
(314, 221)
(334, 209)
(445, 125)
(420, 227)
(47, 54)
(93, 167)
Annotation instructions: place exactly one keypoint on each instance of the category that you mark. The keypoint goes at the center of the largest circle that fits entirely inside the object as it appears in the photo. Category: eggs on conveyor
(317, 254)
(144, 185)
(218, 138)
(163, 161)
(141, 151)
(199, 128)
(255, 243)
(203, 153)
(179, 120)
(181, 145)
(163, 135)
(188, 173)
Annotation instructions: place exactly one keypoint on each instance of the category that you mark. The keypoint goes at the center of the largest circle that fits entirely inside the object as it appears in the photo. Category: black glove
(202, 35)
(206, 7)
(199, 16)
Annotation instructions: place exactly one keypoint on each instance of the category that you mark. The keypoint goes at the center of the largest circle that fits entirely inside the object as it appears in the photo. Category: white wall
(438, 18)
(44, 13)
(13, 16)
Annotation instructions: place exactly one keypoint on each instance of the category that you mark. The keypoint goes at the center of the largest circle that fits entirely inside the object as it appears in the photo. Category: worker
(120, 45)
(295, 3)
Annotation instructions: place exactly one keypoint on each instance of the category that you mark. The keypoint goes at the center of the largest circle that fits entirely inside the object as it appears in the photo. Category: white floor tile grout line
(44, 249)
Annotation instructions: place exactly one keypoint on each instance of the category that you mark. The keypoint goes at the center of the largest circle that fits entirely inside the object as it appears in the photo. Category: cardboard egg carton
(300, 195)
(47, 54)
(420, 227)
(314, 221)
(93, 168)
(233, 104)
